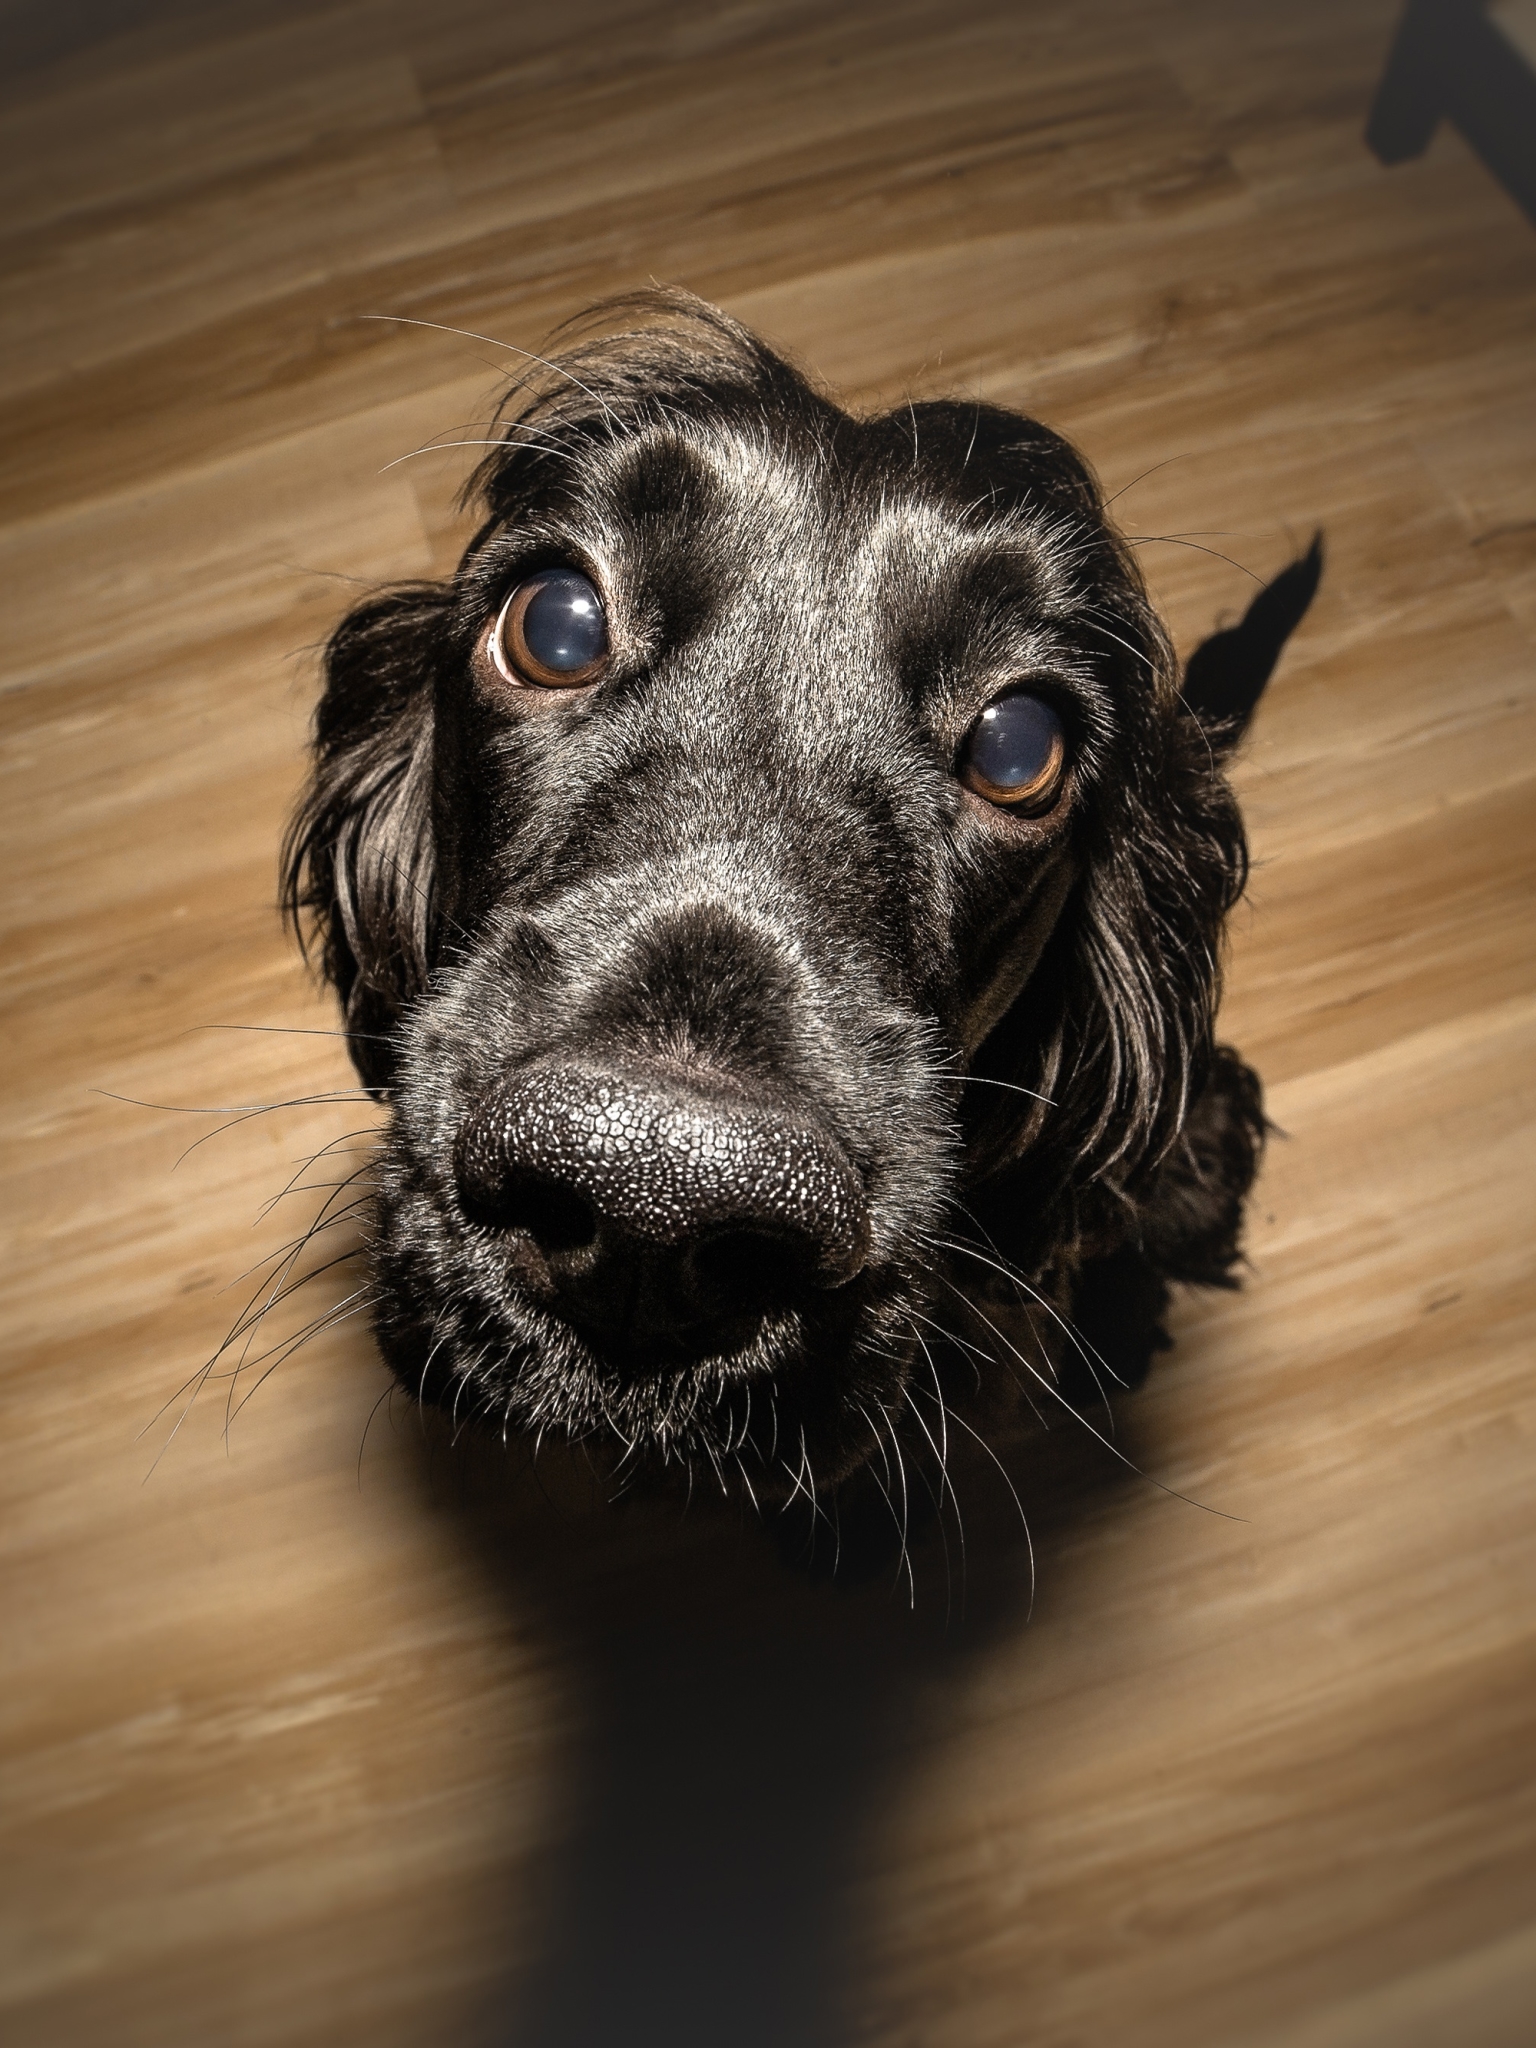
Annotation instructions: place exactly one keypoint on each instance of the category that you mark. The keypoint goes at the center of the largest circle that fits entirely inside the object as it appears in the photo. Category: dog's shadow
(742, 1733)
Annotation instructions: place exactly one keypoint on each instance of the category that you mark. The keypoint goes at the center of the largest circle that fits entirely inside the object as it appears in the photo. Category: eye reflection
(1016, 754)
(552, 632)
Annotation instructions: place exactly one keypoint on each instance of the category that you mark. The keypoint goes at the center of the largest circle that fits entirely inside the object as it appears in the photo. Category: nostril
(750, 1272)
(651, 1206)
(555, 1217)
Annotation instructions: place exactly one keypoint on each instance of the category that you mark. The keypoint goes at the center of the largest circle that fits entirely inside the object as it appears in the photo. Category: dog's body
(778, 886)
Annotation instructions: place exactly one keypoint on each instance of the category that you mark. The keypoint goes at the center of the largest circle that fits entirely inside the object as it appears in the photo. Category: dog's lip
(703, 1349)
(749, 1343)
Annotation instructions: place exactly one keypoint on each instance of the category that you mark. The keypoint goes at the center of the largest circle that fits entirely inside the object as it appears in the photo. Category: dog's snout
(663, 1210)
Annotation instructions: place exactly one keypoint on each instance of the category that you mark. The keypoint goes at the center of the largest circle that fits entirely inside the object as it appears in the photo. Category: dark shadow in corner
(1450, 60)
(745, 1728)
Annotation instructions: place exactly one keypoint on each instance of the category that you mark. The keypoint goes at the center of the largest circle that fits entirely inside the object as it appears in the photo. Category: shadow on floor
(744, 1729)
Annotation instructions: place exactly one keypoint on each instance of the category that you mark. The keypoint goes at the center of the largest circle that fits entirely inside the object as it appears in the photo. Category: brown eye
(1016, 754)
(551, 631)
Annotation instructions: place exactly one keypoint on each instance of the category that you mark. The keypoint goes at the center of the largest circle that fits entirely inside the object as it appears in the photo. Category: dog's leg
(1117, 1313)
(1189, 1229)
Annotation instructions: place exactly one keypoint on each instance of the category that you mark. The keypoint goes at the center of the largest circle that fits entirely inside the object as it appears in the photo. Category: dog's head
(783, 830)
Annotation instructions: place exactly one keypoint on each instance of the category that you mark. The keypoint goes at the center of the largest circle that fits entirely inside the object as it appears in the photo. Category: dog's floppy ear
(1225, 676)
(1114, 1032)
(358, 859)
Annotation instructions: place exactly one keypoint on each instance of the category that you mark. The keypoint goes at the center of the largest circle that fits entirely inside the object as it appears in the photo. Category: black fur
(742, 866)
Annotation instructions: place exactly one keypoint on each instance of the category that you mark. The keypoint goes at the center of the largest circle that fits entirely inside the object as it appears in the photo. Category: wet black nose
(667, 1216)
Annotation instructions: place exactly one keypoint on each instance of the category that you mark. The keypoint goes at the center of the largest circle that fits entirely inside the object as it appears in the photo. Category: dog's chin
(767, 1409)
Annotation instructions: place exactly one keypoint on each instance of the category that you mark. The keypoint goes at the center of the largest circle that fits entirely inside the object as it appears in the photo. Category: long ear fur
(358, 857)
(1116, 1027)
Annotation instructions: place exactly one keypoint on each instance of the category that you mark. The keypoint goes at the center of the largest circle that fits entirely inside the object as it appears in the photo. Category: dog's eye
(551, 631)
(1015, 754)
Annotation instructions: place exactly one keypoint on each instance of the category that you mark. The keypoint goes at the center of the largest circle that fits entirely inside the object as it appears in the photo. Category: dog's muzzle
(662, 1212)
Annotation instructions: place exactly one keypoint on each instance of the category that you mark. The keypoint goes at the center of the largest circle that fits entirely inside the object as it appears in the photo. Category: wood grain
(307, 1743)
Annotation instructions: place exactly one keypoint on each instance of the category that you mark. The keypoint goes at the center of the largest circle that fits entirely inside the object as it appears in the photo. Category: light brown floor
(293, 1750)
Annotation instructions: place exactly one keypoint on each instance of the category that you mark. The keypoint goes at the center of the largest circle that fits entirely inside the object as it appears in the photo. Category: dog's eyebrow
(1013, 556)
(916, 525)
(662, 469)
(744, 456)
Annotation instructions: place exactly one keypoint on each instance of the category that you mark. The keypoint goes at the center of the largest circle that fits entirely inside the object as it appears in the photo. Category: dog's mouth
(767, 1398)
(642, 1303)
(643, 1307)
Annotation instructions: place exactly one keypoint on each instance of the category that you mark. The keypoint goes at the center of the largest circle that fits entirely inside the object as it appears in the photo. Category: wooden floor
(303, 1743)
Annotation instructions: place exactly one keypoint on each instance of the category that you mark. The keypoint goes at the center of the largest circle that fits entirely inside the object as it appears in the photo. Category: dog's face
(781, 832)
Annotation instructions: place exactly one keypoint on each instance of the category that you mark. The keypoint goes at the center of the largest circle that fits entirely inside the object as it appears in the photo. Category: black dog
(778, 885)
